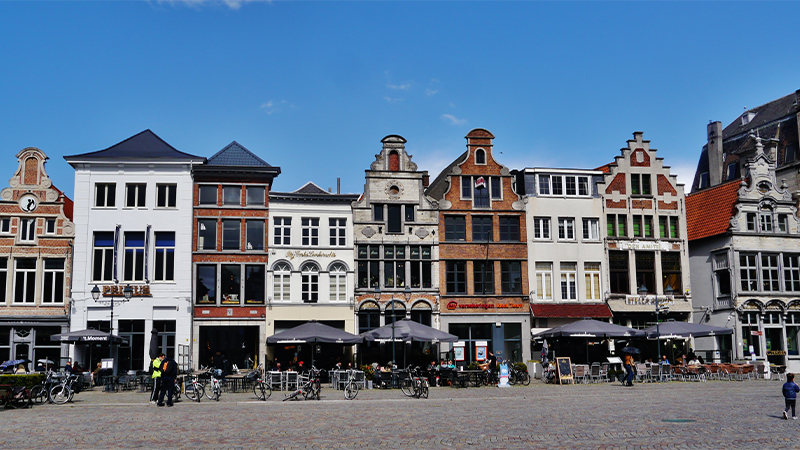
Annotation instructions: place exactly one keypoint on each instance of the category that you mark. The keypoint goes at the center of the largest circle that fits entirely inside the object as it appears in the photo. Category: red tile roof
(606, 168)
(708, 212)
(571, 311)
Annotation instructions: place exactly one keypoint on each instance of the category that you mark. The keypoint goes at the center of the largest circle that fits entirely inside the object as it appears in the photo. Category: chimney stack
(338, 185)
(715, 162)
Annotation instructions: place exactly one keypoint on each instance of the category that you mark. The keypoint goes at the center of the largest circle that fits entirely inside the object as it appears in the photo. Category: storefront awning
(600, 311)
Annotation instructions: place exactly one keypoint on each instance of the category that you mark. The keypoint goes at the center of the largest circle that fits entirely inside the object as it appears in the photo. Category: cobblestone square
(715, 414)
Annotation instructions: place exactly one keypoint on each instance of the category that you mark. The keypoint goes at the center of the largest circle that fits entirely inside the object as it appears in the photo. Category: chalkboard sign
(564, 367)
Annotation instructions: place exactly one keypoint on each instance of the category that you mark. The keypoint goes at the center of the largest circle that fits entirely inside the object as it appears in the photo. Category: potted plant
(369, 374)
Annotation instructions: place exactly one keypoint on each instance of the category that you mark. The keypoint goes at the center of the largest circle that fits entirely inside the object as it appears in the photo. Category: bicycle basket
(253, 376)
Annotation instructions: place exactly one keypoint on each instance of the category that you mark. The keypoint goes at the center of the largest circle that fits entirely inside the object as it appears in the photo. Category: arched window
(310, 282)
(282, 274)
(421, 313)
(369, 317)
(394, 161)
(399, 312)
(338, 283)
(480, 156)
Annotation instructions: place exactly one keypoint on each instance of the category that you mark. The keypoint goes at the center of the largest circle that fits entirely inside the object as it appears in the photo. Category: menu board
(564, 369)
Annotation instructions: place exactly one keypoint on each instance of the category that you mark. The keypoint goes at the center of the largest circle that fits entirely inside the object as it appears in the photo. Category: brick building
(483, 260)
(646, 244)
(396, 235)
(230, 256)
(36, 238)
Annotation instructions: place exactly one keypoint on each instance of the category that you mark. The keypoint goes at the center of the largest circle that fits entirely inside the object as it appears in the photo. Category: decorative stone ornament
(28, 203)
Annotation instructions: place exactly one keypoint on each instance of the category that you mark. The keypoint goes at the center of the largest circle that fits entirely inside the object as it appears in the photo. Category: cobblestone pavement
(715, 414)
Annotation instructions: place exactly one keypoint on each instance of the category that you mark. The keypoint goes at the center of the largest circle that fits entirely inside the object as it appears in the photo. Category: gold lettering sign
(310, 254)
(116, 291)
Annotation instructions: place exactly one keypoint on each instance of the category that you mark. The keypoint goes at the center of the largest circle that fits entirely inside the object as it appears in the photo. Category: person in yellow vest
(156, 376)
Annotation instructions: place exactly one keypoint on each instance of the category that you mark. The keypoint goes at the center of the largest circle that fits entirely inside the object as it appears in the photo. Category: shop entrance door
(776, 352)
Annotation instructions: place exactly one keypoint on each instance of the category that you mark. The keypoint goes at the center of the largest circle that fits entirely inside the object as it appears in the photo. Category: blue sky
(313, 87)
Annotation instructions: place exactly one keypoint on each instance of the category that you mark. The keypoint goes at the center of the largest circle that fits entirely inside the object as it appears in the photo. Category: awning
(599, 310)
(84, 336)
(620, 306)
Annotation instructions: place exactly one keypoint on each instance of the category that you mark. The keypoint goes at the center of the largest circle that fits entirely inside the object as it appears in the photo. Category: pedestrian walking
(169, 370)
(628, 369)
(156, 377)
(790, 390)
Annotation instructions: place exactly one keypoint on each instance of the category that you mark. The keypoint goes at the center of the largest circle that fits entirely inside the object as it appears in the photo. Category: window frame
(55, 277)
(592, 276)
(282, 282)
(568, 276)
(137, 198)
(168, 192)
(509, 228)
(27, 230)
(109, 197)
(106, 260)
(456, 277)
(591, 229)
(164, 256)
(281, 231)
(309, 231)
(455, 228)
(482, 228)
(133, 261)
(24, 282)
(337, 227)
(201, 223)
(566, 229)
(228, 233)
(230, 190)
(544, 280)
(541, 228)
(507, 271)
(207, 189)
(483, 277)
(337, 283)
(309, 282)
(259, 233)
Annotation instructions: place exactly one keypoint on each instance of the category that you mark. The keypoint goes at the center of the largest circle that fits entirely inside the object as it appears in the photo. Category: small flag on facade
(480, 183)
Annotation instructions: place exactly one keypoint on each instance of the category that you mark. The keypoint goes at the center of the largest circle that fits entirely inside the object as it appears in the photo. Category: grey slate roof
(311, 188)
(143, 146)
(438, 187)
(764, 114)
(310, 192)
(236, 155)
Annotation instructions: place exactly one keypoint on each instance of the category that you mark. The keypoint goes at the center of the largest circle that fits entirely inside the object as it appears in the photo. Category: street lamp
(127, 292)
(662, 309)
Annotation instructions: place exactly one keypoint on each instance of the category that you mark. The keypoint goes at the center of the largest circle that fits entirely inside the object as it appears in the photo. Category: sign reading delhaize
(452, 305)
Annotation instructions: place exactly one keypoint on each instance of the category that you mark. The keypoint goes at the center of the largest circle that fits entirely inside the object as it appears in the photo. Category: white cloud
(453, 119)
(430, 92)
(232, 4)
(685, 172)
(392, 100)
(399, 87)
(273, 106)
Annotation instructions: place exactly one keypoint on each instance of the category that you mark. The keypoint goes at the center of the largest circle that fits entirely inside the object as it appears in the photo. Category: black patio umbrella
(408, 331)
(674, 329)
(154, 344)
(314, 332)
(589, 328)
(87, 336)
(631, 350)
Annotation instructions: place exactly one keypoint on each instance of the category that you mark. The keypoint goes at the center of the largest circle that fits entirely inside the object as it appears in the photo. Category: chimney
(426, 179)
(715, 162)
(338, 185)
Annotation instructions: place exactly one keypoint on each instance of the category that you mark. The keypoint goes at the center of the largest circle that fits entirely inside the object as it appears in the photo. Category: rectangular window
(783, 223)
(281, 282)
(544, 185)
(511, 277)
(616, 224)
(455, 228)
(646, 270)
(751, 222)
(27, 230)
(722, 276)
(544, 280)
(166, 195)
(791, 272)
(3, 280)
(165, 256)
(618, 270)
(255, 284)
(230, 283)
(766, 222)
(541, 228)
(53, 288)
(638, 230)
(105, 195)
(395, 222)
(50, 226)
(497, 192)
(671, 271)
(421, 267)
(466, 187)
(338, 284)
(394, 268)
(648, 226)
(255, 235)
(748, 271)
(558, 185)
(310, 230)
(509, 229)
(309, 277)
(769, 272)
(483, 277)
(5, 225)
(207, 234)
(456, 272)
(591, 275)
(409, 209)
(338, 232)
(103, 262)
(368, 265)
(230, 234)
(640, 184)
(134, 256)
(482, 228)
(232, 195)
(208, 195)
(571, 186)
(135, 195)
(377, 213)
(481, 193)
(583, 185)
(25, 280)
(591, 229)
(255, 195)
(731, 173)
(283, 231)
(569, 273)
(566, 228)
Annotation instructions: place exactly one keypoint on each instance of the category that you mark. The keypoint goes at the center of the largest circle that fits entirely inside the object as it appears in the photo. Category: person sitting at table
(96, 374)
(300, 368)
(40, 367)
(77, 368)
(21, 370)
(278, 367)
(450, 364)
(664, 360)
(694, 362)
(681, 360)
(68, 367)
(376, 370)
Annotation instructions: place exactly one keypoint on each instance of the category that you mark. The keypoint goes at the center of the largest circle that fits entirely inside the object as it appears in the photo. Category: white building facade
(133, 222)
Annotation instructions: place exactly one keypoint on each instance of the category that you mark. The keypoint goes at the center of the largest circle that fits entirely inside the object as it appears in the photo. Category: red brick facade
(618, 185)
(638, 154)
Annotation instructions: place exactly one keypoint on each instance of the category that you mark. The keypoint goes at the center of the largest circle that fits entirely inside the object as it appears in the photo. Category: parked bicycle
(261, 388)
(415, 384)
(64, 391)
(352, 386)
(308, 386)
(41, 392)
(194, 389)
(15, 396)
(214, 389)
(516, 374)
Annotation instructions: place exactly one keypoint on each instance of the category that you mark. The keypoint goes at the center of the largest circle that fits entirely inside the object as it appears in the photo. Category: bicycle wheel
(194, 391)
(525, 378)
(292, 395)
(38, 394)
(216, 392)
(262, 390)
(423, 389)
(407, 386)
(21, 399)
(60, 394)
(512, 378)
(350, 390)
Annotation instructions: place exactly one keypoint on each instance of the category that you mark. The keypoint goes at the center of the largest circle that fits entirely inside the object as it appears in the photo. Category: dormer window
(480, 156)
(394, 161)
(731, 171)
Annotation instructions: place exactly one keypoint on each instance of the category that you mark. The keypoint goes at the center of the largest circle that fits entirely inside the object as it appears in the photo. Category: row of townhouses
(217, 260)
